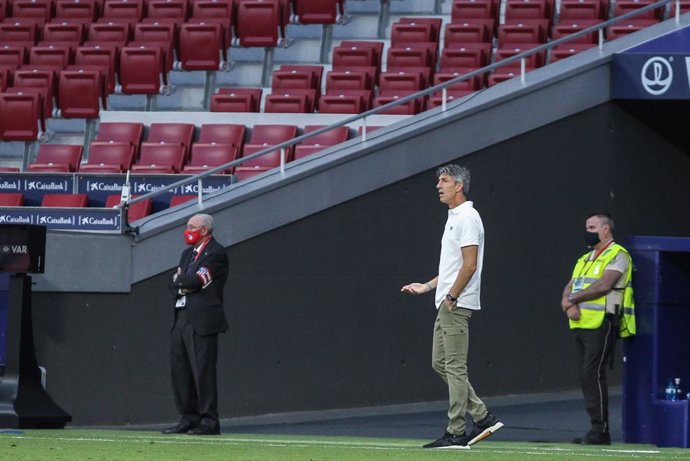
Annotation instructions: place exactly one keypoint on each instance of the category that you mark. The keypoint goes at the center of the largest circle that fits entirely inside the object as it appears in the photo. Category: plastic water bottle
(679, 390)
(671, 390)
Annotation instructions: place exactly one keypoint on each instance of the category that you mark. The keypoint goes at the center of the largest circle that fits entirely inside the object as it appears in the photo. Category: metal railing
(442, 87)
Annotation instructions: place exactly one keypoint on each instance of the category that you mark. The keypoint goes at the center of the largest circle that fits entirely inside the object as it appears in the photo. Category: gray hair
(207, 221)
(458, 173)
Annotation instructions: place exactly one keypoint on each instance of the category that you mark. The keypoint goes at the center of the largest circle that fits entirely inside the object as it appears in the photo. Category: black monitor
(22, 248)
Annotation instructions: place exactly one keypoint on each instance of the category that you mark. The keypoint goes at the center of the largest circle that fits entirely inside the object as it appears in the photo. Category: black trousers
(593, 348)
(193, 360)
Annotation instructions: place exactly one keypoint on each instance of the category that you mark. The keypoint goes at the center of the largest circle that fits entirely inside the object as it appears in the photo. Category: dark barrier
(659, 352)
(24, 402)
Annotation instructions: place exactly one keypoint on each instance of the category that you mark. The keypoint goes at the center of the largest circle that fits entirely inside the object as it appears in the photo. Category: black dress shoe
(204, 430)
(178, 428)
(594, 438)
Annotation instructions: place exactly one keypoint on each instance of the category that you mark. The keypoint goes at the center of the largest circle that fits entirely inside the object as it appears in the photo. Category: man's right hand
(415, 288)
(573, 312)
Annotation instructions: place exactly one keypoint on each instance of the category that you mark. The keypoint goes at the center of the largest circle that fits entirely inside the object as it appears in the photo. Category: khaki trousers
(449, 360)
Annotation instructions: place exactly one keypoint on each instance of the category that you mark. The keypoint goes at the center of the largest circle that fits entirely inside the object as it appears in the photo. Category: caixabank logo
(6, 185)
(57, 220)
(100, 221)
(50, 185)
(102, 186)
(16, 219)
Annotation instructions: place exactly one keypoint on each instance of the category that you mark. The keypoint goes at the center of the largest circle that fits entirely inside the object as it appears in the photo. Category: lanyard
(589, 262)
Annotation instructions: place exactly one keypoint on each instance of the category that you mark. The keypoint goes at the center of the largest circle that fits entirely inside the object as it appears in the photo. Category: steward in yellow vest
(598, 302)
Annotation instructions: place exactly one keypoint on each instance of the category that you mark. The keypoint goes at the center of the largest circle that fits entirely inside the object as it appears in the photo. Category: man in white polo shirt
(457, 296)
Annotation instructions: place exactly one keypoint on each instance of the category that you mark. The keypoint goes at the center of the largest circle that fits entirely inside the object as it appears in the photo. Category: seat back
(317, 11)
(141, 70)
(178, 199)
(272, 134)
(180, 133)
(76, 9)
(200, 46)
(79, 93)
(176, 9)
(334, 136)
(128, 132)
(222, 133)
(163, 154)
(59, 154)
(11, 199)
(212, 155)
(130, 9)
(135, 211)
(63, 32)
(19, 115)
(65, 200)
(257, 22)
(111, 153)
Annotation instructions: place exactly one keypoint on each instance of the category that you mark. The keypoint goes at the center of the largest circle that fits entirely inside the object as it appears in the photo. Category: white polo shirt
(463, 228)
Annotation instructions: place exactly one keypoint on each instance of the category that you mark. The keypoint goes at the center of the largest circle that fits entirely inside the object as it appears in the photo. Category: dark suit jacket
(204, 302)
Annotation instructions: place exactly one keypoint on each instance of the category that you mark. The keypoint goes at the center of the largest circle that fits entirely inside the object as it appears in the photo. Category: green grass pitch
(94, 445)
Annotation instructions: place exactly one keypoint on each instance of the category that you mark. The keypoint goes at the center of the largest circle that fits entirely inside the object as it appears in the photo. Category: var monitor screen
(22, 248)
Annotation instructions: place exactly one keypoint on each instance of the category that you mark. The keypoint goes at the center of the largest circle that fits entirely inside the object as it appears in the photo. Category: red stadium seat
(348, 80)
(315, 71)
(12, 55)
(132, 10)
(582, 9)
(435, 23)
(79, 93)
(568, 49)
(142, 70)
(465, 9)
(411, 107)
(320, 141)
(179, 199)
(523, 9)
(279, 102)
(160, 157)
(258, 22)
(222, 133)
(19, 116)
(57, 158)
(341, 103)
(82, 10)
(11, 199)
(518, 33)
(201, 46)
(39, 80)
(206, 156)
(109, 157)
(213, 9)
(38, 11)
(65, 201)
(406, 81)
(465, 55)
(410, 57)
(118, 33)
(630, 26)
(64, 33)
(128, 132)
(576, 25)
(236, 100)
(162, 32)
(359, 54)
(626, 6)
(57, 57)
(532, 61)
(104, 57)
(402, 33)
(272, 134)
(135, 211)
(175, 9)
(18, 32)
(318, 11)
(172, 133)
(471, 30)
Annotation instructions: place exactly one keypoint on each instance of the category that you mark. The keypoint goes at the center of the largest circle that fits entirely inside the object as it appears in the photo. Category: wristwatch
(450, 298)
(570, 297)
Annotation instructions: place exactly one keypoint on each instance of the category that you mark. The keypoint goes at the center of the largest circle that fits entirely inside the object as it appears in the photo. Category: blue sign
(651, 76)
(99, 187)
(656, 69)
(84, 219)
(35, 186)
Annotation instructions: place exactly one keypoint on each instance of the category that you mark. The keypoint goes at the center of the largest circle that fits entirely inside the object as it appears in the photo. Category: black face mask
(591, 238)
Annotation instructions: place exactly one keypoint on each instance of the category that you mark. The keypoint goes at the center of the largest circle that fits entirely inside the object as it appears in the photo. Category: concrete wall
(317, 320)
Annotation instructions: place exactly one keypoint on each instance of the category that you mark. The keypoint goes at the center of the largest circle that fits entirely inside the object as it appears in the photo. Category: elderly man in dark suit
(199, 318)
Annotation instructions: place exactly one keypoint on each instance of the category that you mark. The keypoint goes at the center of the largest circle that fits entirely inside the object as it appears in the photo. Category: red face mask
(191, 237)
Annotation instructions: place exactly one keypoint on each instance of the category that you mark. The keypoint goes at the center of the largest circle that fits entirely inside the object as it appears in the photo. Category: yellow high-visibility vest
(592, 311)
